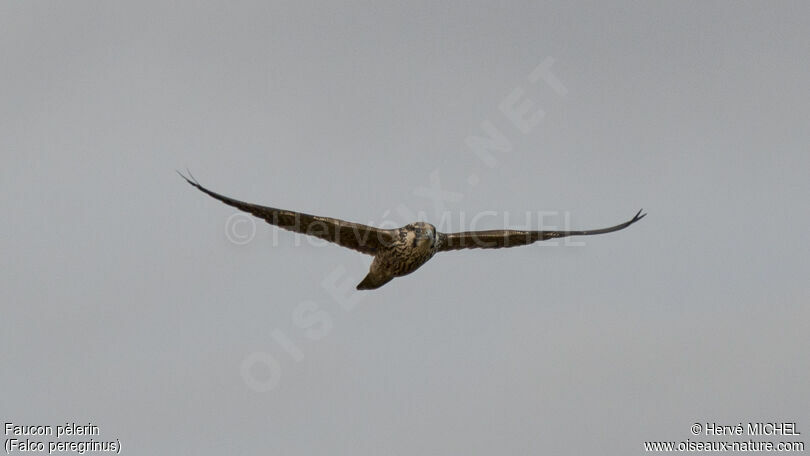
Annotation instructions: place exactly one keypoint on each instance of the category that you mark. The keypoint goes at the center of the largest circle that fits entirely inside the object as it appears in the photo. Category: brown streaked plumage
(396, 252)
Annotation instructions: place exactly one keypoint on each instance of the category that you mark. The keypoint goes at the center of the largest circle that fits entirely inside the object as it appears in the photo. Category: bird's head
(425, 233)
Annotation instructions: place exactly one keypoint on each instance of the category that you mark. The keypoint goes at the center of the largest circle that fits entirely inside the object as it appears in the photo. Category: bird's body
(412, 247)
(397, 252)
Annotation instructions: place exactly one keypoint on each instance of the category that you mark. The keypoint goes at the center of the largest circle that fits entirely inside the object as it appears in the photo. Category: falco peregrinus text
(396, 252)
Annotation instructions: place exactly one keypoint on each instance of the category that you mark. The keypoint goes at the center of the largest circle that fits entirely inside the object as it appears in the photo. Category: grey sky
(125, 304)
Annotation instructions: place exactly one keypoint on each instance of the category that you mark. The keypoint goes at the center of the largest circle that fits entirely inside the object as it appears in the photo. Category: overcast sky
(134, 302)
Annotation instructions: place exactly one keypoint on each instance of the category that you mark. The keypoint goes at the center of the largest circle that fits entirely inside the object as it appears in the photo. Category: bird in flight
(396, 252)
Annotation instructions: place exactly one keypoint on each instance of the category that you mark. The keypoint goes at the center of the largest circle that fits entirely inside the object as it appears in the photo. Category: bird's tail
(373, 281)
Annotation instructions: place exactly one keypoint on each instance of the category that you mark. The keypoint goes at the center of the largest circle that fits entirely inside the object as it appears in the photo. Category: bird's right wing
(362, 238)
(496, 239)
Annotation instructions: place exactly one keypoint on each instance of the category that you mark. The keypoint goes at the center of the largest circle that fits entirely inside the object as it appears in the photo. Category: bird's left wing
(363, 238)
(496, 239)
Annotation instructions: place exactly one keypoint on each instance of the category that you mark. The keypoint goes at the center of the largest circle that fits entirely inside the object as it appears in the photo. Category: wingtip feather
(190, 178)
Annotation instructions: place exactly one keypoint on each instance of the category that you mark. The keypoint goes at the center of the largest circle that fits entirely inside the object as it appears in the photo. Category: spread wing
(363, 238)
(496, 239)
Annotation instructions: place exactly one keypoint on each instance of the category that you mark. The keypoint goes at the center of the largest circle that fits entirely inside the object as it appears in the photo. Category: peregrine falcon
(396, 252)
